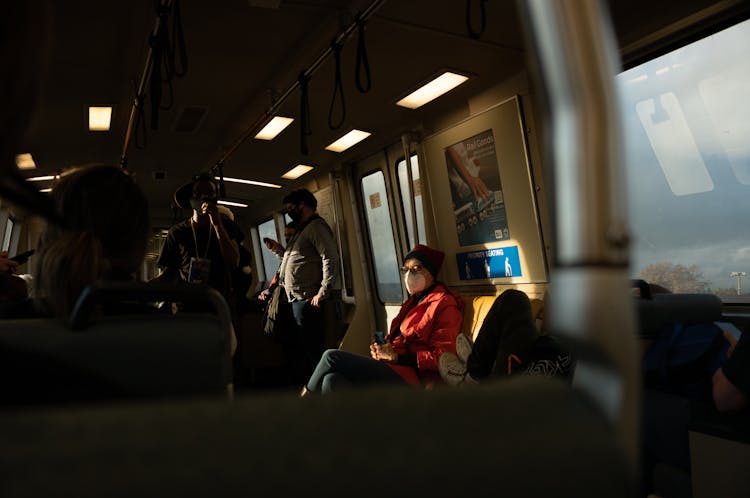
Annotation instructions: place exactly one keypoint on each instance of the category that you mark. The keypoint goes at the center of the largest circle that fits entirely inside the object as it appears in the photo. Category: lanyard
(195, 239)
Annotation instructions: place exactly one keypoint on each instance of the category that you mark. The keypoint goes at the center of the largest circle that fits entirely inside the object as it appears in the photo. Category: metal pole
(589, 294)
(405, 143)
(738, 275)
(137, 107)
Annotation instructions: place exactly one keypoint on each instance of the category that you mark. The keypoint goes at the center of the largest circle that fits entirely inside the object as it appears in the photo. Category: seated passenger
(107, 227)
(12, 287)
(508, 342)
(667, 417)
(731, 382)
(14, 291)
(425, 327)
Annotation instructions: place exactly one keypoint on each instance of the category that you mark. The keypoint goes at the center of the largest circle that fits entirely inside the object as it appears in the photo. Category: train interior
(570, 113)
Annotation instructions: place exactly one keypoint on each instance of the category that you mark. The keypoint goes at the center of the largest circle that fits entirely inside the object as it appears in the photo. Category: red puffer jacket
(428, 329)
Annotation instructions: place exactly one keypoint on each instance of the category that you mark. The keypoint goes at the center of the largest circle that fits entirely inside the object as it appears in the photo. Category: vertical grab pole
(589, 302)
(405, 143)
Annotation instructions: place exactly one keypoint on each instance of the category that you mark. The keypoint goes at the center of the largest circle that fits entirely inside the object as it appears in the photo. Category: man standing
(204, 248)
(309, 275)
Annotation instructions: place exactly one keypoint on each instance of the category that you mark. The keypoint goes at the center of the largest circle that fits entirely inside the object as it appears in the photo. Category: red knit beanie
(432, 259)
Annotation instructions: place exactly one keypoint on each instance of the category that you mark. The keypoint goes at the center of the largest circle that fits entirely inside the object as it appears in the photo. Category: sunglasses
(413, 269)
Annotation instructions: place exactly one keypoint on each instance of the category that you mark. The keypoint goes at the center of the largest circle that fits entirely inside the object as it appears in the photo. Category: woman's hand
(383, 352)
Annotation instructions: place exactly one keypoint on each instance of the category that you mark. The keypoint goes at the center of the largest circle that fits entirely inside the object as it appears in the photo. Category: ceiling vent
(190, 119)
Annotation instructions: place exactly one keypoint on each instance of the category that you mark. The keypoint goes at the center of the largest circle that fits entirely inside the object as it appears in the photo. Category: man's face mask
(295, 213)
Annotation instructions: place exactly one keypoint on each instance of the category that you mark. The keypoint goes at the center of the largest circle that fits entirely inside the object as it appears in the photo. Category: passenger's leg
(353, 368)
(310, 322)
(333, 382)
(507, 328)
(666, 418)
(303, 346)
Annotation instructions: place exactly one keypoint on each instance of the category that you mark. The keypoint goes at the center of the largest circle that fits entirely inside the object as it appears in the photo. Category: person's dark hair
(107, 228)
(301, 195)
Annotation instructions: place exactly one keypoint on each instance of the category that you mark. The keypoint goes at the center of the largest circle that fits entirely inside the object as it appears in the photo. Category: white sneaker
(463, 347)
(452, 369)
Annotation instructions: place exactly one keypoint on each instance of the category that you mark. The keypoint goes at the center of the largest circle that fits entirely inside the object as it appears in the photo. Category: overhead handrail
(271, 111)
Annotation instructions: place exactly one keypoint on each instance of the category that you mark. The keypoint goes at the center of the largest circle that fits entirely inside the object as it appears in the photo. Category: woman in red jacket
(426, 327)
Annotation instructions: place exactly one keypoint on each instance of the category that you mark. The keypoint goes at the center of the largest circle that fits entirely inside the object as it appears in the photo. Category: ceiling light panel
(348, 140)
(273, 128)
(297, 171)
(432, 90)
(249, 182)
(100, 118)
(25, 161)
(230, 203)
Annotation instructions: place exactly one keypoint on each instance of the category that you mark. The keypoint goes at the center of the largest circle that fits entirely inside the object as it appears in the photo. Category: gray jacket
(310, 265)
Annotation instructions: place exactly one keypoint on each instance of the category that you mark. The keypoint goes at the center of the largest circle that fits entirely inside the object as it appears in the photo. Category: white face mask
(415, 282)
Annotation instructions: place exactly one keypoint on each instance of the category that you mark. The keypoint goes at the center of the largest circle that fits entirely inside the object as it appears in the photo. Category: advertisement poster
(476, 191)
(502, 262)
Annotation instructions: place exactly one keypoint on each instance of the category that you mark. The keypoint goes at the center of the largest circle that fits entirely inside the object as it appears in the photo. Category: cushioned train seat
(118, 356)
(499, 439)
(477, 307)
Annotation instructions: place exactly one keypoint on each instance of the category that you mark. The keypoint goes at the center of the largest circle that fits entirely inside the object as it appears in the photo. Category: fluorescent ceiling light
(99, 118)
(432, 90)
(25, 161)
(273, 128)
(46, 190)
(249, 182)
(41, 178)
(230, 203)
(351, 138)
(296, 172)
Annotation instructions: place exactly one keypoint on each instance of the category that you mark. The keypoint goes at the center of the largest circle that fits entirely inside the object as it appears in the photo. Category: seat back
(477, 307)
(525, 437)
(140, 354)
(665, 309)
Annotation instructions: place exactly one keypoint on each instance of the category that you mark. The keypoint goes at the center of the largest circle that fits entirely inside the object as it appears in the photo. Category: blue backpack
(683, 359)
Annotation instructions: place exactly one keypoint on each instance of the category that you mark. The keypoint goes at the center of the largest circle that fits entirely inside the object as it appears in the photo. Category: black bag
(276, 317)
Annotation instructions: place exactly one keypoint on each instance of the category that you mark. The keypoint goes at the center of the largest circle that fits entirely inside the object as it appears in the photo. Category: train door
(390, 201)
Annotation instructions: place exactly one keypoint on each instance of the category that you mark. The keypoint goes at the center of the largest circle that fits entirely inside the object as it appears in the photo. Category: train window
(380, 230)
(688, 165)
(403, 184)
(8, 234)
(270, 260)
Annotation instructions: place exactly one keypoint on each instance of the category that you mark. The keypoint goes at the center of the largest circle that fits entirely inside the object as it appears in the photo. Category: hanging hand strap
(338, 90)
(362, 61)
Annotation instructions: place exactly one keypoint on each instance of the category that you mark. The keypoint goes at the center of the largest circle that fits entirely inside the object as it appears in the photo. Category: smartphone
(23, 257)
(379, 337)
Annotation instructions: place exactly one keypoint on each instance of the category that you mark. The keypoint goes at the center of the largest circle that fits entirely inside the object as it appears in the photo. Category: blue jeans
(338, 368)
